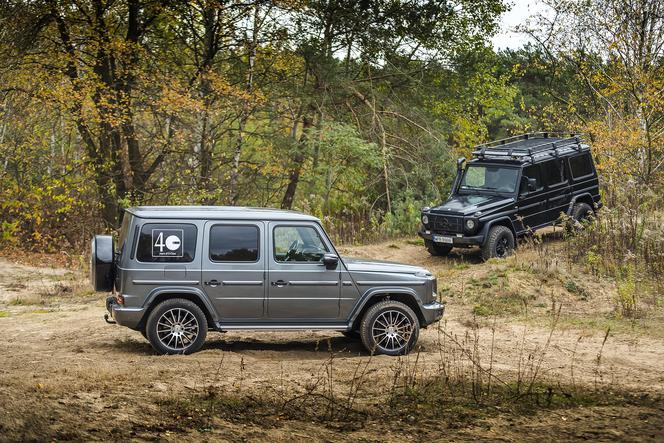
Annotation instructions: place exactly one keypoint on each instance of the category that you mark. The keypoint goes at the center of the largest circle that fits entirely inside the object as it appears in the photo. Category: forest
(354, 111)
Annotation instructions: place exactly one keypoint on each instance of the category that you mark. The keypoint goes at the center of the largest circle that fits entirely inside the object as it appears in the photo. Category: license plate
(442, 239)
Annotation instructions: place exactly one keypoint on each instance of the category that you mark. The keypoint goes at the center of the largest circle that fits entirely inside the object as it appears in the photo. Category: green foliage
(352, 111)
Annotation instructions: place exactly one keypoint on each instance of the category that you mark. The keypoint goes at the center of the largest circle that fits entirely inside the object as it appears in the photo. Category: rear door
(556, 182)
(301, 288)
(531, 203)
(234, 269)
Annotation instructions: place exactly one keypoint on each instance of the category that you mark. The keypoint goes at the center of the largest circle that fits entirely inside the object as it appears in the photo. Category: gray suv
(179, 271)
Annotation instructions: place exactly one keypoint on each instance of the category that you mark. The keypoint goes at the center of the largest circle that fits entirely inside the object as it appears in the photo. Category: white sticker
(167, 242)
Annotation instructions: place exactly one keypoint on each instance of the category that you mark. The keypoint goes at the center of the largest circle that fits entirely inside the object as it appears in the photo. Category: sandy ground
(66, 375)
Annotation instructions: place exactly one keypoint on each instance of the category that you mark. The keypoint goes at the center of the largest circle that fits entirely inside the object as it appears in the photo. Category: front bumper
(457, 239)
(432, 312)
(129, 317)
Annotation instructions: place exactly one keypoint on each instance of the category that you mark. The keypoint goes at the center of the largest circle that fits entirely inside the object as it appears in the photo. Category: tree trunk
(235, 171)
(298, 162)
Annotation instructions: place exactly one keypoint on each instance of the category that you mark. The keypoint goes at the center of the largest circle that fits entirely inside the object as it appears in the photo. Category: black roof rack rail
(526, 145)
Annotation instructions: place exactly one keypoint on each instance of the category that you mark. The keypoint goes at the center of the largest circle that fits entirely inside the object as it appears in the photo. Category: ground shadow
(473, 256)
(131, 345)
(314, 348)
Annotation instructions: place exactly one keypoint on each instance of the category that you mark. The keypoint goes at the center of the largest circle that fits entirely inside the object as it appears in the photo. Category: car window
(298, 244)
(553, 172)
(532, 171)
(167, 242)
(234, 243)
(489, 178)
(581, 165)
(124, 232)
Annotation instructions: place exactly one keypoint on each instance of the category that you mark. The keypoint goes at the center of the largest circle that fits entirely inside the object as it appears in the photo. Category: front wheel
(389, 327)
(499, 243)
(176, 326)
(436, 249)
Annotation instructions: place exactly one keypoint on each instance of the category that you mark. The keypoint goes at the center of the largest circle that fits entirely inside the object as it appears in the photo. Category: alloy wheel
(177, 329)
(502, 247)
(392, 330)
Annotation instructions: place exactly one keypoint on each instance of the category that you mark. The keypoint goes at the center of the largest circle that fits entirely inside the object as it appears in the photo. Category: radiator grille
(446, 223)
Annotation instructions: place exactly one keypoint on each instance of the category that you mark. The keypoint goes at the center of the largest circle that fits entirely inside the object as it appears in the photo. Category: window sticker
(167, 242)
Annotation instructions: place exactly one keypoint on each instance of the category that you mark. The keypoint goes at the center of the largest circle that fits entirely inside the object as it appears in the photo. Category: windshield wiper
(488, 188)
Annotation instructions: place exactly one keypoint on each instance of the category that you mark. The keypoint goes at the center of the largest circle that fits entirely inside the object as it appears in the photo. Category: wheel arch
(162, 294)
(406, 296)
(502, 221)
(586, 198)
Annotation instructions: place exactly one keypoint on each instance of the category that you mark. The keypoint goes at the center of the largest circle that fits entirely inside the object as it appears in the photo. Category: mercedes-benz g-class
(181, 271)
(510, 188)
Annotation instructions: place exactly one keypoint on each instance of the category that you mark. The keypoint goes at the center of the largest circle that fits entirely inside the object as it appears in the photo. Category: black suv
(512, 187)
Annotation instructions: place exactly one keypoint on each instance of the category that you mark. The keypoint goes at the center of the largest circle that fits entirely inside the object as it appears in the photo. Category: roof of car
(218, 212)
(530, 148)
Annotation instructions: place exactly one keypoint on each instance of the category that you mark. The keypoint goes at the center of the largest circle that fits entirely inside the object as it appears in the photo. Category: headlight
(470, 224)
(424, 273)
(425, 220)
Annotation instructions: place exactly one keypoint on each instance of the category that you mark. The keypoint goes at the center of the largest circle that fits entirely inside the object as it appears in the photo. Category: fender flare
(576, 197)
(381, 292)
(488, 225)
(175, 290)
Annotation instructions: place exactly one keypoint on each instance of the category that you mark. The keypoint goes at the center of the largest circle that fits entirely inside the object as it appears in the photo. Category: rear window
(124, 232)
(236, 243)
(553, 172)
(581, 165)
(167, 242)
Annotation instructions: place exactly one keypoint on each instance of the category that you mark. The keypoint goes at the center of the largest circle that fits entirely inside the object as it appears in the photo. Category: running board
(282, 327)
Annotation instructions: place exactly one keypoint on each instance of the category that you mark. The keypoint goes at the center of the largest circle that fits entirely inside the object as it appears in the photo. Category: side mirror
(532, 185)
(330, 261)
(460, 162)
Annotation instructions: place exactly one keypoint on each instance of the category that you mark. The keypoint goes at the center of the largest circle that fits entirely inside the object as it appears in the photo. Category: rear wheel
(176, 326)
(499, 243)
(582, 212)
(581, 215)
(390, 328)
(436, 249)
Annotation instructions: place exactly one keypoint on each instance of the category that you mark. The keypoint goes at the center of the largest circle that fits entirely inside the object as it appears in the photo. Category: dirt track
(65, 374)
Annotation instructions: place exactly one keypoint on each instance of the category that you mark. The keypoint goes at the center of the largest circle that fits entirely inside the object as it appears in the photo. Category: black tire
(102, 263)
(437, 250)
(499, 243)
(582, 212)
(353, 335)
(401, 339)
(176, 312)
(580, 215)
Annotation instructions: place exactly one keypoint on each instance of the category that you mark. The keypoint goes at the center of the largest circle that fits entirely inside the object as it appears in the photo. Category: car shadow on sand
(314, 348)
(473, 255)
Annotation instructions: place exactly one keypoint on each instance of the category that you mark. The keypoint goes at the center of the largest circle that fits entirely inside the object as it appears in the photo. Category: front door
(234, 269)
(531, 202)
(301, 288)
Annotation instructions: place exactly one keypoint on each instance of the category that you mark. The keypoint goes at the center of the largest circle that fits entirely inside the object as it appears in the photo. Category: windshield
(489, 178)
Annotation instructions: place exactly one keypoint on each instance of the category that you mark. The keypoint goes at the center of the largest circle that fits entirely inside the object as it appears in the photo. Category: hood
(470, 204)
(364, 265)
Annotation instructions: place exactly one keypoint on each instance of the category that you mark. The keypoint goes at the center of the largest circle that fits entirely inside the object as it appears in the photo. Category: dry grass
(481, 374)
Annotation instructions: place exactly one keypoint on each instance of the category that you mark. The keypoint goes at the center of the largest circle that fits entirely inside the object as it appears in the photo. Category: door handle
(212, 283)
(279, 283)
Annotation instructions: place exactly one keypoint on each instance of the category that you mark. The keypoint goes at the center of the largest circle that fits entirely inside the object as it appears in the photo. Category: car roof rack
(525, 146)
